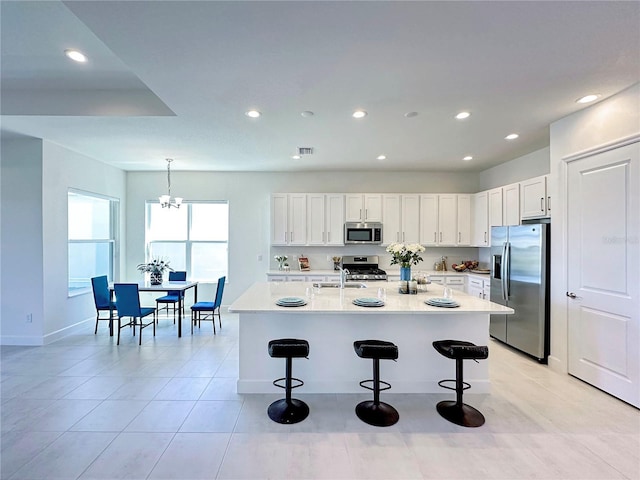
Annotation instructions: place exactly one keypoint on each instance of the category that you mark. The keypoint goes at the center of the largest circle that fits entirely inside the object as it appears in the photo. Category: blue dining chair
(172, 296)
(102, 299)
(214, 307)
(128, 305)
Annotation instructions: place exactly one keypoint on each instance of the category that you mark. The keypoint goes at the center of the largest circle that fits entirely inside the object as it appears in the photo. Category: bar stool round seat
(456, 411)
(374, 412)
(288, 410)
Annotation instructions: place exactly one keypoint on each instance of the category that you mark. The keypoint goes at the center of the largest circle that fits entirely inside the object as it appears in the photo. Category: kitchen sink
(337, 285)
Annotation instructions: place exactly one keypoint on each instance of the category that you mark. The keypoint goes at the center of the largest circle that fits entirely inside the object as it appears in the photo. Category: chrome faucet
(343, 275)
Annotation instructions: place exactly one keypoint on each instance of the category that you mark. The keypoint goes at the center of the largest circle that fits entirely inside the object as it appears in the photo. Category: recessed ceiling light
(252, 113)
(588, 98)
(463, 115)
(75, 55)
(411, 114)
(296, 157)
(381, 157)
(511, 136)
(359, 114)
(307, 113)
(467, 158)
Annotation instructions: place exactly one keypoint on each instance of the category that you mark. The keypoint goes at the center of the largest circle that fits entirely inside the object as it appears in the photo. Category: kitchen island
(331, 323)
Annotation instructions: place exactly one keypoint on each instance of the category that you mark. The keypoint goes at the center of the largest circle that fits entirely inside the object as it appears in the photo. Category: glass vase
(155, 278)
(405, 273)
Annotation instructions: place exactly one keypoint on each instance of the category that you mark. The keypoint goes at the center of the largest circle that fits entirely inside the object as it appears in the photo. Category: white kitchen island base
(331, 323)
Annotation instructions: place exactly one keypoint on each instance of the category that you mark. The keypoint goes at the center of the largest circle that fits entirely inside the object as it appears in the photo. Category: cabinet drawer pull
(548, 204)
(542, 204)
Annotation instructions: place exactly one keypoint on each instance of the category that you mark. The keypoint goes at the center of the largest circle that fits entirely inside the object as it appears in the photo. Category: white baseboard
(21, 340)
(66, 331)
(556, 365)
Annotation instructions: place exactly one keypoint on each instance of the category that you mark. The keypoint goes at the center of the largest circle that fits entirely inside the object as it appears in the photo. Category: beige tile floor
(84, 408)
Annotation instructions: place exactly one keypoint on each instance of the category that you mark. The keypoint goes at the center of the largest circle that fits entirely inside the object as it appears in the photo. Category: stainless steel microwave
(363, 233)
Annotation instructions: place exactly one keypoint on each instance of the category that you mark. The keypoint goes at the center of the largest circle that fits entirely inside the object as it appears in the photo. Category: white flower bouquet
(405, 254)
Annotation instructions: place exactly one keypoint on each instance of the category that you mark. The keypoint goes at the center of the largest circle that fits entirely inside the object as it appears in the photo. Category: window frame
(113, 241)
(188, 243)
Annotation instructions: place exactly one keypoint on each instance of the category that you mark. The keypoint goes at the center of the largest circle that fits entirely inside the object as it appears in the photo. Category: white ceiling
(173, 79)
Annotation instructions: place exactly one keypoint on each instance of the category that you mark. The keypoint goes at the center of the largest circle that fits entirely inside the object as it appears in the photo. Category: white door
(447, 219)
(603, 217)
(429, 220)
(464, 219)
(335, 219)
(315, 219)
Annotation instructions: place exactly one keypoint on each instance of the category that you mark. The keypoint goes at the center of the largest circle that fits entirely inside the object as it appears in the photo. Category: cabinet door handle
(434, 237)
(403, 236)
(397, 236)
(485, 237)
(548, 204)
(440, 236)
(366, 213)
(291, 237)
(360, 214)
(328, 237)
(459, 236)
(542, 204)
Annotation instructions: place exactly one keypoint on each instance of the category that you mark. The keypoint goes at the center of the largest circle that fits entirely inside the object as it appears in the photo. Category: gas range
(363, 268)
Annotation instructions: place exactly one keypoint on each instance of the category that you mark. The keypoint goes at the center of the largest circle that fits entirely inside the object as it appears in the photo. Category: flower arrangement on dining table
(156, 268)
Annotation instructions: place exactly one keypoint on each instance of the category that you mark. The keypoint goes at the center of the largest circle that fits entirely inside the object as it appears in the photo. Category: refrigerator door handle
(502, 271)
(507, 270)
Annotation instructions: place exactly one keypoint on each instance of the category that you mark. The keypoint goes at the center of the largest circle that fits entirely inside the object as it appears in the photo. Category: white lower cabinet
(456, 283)
(301, 277)
(479, 287)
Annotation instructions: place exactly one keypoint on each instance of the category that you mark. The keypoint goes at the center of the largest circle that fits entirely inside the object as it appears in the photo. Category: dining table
(176, 286)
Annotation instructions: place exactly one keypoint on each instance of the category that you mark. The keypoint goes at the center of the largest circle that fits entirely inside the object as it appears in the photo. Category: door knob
(571, 295)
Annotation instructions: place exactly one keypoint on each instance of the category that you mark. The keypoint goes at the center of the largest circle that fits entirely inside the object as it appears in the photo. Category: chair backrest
(101, 294)
(218, 301)
(176, 277)
(127, 299)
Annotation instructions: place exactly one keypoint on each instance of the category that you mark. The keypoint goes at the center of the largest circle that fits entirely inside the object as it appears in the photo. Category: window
(193, 237)
(92, 236)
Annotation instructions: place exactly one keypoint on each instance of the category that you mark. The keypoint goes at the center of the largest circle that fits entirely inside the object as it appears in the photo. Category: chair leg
(96, 330)
(140, 339)
(119, 326)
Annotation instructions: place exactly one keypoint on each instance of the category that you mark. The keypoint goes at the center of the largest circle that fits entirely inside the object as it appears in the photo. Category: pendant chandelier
(165, 200)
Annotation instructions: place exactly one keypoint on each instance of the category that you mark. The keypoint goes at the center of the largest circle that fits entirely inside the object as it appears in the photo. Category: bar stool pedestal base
(380, 415)
(282, 412)
(463, 415)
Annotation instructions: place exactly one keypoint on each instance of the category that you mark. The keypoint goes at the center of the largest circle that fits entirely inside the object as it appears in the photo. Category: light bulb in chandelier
(165, 200)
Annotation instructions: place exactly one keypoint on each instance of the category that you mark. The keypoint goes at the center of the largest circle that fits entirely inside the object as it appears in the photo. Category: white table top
(261, 297)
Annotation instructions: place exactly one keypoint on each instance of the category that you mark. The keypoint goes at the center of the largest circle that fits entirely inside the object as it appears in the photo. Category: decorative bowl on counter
(459, 268)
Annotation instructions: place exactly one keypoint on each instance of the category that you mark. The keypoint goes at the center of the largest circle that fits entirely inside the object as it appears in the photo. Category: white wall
(608, 121)
(21, 213)
(36, 176)
(531, 165)
(249, 206)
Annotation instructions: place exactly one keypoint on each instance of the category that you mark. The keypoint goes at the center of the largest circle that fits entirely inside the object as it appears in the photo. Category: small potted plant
(155, 268)
(282, 261)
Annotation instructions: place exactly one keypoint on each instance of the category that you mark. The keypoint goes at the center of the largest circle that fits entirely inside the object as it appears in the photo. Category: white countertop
(261, 297)
(434, 273)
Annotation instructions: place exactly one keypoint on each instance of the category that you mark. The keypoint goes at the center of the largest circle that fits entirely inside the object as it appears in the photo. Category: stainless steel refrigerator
(520, 280)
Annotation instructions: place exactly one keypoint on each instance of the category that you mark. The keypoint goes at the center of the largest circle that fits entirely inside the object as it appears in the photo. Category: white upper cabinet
(429, 220)
(288, 219)
(316, 219)
(410, 218)
(495, 207)
(447, 219)
(363, 207)
(480, 219)
(334, 219)
(391, 231)
(401, 218)
(439, 220)
(535, 201)
(279, 217)
(297, 219)
(464, 219)
(511, 204)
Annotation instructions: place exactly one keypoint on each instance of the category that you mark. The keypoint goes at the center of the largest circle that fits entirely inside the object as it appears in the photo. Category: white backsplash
(320, 257)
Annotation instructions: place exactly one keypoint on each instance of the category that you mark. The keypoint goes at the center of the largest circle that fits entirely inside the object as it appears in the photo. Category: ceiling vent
(305, 151)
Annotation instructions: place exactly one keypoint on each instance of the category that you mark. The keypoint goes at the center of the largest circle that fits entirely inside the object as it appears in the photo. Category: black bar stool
(288, 410)
(375, 412)
(458, 412)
